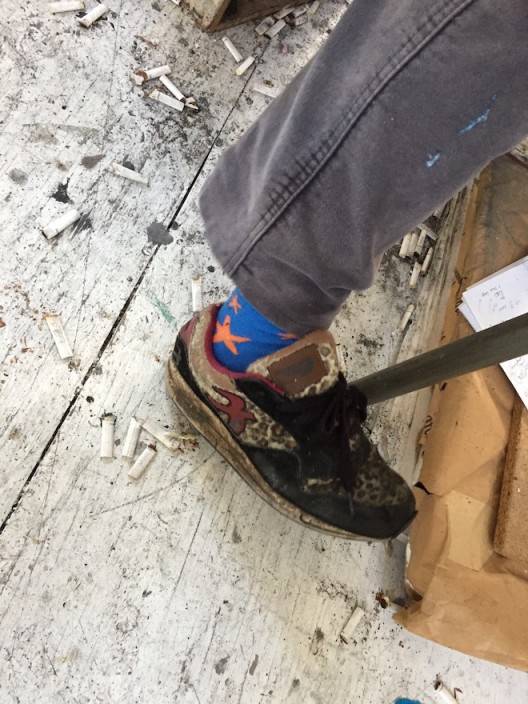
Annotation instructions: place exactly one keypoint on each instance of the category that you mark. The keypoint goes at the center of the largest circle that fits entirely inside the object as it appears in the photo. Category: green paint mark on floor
(163, 309)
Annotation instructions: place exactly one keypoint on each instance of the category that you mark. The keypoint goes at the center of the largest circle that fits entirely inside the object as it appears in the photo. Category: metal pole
(482, 349)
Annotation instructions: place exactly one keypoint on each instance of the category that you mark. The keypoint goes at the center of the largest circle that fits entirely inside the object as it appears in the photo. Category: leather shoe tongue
(308, 367)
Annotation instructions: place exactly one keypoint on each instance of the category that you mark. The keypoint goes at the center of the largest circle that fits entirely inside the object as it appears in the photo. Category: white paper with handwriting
(493, 300)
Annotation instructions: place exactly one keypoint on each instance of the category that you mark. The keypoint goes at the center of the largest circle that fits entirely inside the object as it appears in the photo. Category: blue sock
(243, 335)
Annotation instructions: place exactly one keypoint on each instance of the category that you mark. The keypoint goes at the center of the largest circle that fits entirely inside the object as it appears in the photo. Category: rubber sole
(215, 432)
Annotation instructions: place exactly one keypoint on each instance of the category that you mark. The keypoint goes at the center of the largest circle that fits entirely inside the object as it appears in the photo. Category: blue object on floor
(406, 701)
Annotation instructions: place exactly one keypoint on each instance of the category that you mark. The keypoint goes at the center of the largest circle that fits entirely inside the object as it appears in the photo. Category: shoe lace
(328, 419)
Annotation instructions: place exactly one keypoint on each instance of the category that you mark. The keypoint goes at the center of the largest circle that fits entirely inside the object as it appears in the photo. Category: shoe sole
(215, 432)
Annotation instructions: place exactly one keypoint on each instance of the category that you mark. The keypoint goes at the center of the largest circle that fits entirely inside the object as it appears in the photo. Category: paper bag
(467, 597)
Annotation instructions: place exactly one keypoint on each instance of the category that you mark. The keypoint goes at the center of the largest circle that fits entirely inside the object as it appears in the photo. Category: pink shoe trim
(208, 349)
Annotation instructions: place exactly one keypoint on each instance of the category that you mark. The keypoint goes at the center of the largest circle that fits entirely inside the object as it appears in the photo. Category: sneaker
(291, 427)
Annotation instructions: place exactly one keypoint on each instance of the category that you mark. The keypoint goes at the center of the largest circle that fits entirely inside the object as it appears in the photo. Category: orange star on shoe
(223, 334)
(234, 304)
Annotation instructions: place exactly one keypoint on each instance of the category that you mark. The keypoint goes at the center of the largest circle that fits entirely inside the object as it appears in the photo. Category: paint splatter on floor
(162, 307)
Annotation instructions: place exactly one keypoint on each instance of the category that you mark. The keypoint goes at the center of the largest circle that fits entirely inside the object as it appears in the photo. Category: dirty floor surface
(183, 587)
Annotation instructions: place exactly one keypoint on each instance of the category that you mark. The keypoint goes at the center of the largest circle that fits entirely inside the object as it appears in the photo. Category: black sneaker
(291, 428)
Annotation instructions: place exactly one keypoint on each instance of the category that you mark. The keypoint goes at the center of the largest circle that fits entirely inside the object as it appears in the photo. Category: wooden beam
(511, 533)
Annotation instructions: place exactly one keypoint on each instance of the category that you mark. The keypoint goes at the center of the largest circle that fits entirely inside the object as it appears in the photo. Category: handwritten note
(498, 298)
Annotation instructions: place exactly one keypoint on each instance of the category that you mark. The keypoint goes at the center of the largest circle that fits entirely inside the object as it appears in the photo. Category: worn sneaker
(291, 428)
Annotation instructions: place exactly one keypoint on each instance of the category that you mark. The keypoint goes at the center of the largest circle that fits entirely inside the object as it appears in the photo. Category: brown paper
(468, 522)
(468, 597)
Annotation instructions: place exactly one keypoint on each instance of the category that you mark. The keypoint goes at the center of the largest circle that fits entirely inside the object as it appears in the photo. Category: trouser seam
(308, 168)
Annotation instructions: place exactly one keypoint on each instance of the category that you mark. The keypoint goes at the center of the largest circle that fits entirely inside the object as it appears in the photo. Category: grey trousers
(405, 102)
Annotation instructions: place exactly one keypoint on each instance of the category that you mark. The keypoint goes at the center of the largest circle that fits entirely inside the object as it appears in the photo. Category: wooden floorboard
(72, 100)
(183, 587)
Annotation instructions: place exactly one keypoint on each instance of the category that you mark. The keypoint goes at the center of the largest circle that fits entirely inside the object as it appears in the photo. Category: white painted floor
(183, 587)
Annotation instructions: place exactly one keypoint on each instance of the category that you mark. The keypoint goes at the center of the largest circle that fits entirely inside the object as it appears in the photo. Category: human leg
(401, 107)
(305, 221)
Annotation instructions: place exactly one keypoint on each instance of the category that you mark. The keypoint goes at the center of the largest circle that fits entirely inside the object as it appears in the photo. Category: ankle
(244, 335)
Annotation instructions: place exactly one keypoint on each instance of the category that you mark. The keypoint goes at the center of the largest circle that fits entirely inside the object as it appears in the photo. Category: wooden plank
(69, 109)
(511, 533)
(215, 15)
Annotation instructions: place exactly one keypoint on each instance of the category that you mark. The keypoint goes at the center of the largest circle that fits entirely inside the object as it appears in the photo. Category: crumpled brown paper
(468, 597)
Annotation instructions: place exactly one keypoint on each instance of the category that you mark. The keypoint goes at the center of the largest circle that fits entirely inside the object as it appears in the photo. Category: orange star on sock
(223, 334)
(234, 304)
